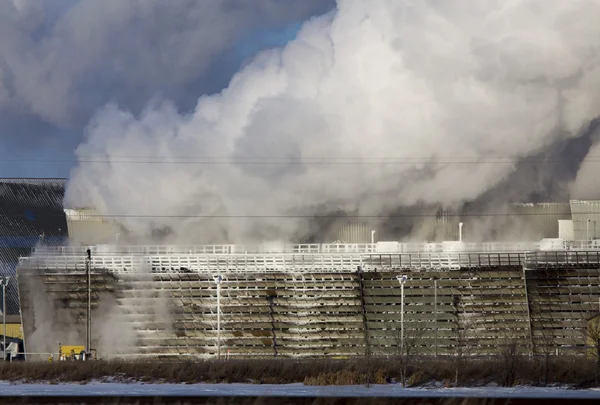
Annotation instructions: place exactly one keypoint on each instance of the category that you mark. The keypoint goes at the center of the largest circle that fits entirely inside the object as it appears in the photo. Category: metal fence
(330, 262)
(343, 248)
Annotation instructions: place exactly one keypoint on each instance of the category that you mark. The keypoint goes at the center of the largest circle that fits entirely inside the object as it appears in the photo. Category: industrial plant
(356, 291)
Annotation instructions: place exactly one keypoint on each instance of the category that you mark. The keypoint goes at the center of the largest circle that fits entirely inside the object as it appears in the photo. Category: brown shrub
(567, 370)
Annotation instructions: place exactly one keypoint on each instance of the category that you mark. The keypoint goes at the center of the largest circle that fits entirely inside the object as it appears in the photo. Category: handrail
(277, 262)
(341, 248)
(561, 258)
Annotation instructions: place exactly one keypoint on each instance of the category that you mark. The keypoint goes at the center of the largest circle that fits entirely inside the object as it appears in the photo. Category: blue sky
(37, 144)
(50, 159)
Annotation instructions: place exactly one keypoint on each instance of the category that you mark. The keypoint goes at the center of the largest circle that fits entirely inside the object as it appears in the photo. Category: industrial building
(338, 298)
(311, 300)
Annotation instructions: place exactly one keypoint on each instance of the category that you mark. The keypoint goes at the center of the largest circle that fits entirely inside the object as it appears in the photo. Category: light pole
(373, 237)
(218, 280)
(402, 279)
(435, 301)
(460, 226)
(88, 270)
(4, 283)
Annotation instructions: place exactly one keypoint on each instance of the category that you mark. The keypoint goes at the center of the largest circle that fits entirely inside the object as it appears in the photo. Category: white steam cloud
(308, 126)
(62, 59)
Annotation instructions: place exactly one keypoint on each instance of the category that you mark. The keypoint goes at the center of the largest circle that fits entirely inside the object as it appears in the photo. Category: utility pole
(4, 284)
(218, 280)
(435, 302)
(88, 265)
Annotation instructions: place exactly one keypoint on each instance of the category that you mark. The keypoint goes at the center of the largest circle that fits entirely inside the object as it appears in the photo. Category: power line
(302, 162)
(333, 216)
(402, 157)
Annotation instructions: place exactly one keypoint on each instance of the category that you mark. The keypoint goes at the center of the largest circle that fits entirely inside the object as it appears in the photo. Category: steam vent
(338, 298)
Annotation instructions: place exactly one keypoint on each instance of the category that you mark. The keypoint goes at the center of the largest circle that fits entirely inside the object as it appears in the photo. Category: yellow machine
(72, 352)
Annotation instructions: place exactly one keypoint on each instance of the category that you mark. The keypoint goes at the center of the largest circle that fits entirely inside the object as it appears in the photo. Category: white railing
(252, 263)
(342, 248)
(561, 258)
(145, 250)
(348, 248)
(582, 245)
(200, 263)
(264, 263)
(313, 257)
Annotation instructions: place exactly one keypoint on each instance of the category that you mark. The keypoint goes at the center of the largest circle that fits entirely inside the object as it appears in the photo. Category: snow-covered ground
(391, 390)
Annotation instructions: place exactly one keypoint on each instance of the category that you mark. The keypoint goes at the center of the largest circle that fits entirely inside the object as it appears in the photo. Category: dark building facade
(31, 212)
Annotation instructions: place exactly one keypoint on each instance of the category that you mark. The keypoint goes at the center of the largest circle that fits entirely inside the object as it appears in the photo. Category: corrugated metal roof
(31, 211)
(32, 207)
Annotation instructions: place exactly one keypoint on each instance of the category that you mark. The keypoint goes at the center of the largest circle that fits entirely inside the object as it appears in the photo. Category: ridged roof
(32, 207)
(29, 208)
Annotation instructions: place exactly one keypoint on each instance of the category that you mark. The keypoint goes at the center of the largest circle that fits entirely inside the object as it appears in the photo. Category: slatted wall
(54, 305)
(478, 311)
(287, 314)
(561, 301)
(262, 315)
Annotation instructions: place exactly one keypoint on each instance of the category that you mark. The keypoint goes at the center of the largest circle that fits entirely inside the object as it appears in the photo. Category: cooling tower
(313, 302)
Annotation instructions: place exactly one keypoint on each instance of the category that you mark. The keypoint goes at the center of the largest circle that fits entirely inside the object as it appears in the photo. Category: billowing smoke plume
(379, 105)
(586, 184)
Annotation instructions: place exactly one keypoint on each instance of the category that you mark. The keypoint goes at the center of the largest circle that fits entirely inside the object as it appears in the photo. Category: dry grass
(575, 371)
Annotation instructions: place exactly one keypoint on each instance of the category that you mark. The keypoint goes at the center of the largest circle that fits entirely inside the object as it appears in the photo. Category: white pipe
(587, 232)
(372, 237)
(460, 225)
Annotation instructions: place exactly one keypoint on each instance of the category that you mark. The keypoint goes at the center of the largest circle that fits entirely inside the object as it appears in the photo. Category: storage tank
(565, 229)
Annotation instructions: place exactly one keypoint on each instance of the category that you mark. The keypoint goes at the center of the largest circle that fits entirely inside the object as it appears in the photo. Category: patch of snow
(98, 388)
